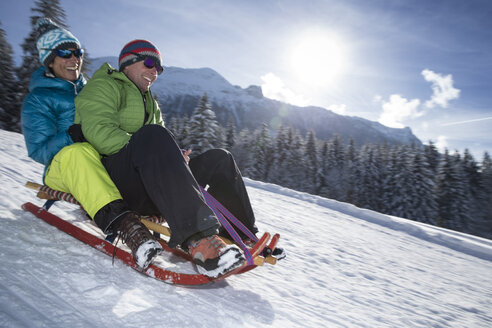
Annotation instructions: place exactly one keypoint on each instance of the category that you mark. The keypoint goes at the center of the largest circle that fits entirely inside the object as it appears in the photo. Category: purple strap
(224, 215)
(215, 203)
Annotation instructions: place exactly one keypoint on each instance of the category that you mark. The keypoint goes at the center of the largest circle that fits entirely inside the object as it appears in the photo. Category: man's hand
(186, 155)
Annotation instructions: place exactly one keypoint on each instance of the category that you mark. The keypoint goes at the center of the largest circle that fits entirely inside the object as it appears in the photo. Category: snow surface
(345, 267)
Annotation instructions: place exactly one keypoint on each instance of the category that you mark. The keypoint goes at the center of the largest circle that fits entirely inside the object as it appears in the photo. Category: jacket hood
(107, 69)
(40, 79)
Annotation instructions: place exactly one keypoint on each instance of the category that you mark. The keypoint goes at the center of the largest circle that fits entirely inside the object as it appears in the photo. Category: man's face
(142, 76)
(67, 68)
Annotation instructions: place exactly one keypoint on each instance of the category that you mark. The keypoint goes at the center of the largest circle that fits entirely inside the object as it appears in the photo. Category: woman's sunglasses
(150, 63)
(65, 53)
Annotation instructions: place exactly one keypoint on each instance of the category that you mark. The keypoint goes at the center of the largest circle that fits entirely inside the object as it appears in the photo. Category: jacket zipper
(146, 115)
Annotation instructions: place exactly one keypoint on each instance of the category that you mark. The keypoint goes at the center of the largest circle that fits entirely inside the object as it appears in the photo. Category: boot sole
(230, 259)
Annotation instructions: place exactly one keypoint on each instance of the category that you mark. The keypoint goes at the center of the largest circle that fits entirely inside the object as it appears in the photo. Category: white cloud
(442, 143)
(442, 87)
(377, 98)
(398, 109)
(338, 108)
(274, 88)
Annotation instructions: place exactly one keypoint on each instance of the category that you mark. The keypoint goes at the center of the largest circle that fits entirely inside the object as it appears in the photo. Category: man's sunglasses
(149, 63)
(65, 53)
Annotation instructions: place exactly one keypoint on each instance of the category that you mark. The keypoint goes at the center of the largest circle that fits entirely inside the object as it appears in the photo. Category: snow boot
(138, 238)
(278, 252)
(213, 257)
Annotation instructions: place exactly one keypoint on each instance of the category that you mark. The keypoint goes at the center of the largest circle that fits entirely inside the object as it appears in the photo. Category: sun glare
(318, 58)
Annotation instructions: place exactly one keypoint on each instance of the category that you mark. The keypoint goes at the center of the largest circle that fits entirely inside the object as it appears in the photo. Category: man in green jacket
(120, 118)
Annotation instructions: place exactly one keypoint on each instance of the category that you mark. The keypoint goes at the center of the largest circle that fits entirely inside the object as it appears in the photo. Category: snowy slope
(346, 267)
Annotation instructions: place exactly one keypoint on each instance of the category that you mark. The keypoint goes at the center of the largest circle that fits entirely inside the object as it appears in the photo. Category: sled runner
(256, 255)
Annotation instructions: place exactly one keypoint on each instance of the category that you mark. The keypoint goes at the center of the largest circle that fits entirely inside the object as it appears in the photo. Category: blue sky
(418, 63)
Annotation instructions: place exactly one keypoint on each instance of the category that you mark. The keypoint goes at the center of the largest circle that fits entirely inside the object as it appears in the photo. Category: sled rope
(211, 202)
(217, 206)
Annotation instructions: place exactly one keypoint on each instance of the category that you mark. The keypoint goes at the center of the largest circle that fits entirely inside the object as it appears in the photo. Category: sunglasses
(64, 53)
(149, 63)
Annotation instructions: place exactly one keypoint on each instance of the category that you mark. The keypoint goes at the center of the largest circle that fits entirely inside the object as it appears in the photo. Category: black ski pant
(153, 178)
(217, 169)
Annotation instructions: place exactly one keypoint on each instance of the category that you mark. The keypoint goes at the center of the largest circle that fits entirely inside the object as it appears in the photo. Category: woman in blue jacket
(71, 164)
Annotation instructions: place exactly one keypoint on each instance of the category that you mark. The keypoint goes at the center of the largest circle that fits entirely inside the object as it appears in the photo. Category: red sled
(154, 271)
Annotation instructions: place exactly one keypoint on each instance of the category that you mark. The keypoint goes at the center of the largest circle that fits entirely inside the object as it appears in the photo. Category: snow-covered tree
(332, 167)
(9, 98)
(486, 174)
(451, 196)
(242, 150)
(180, 128)
(400, 183)
(432, 156)
(262, 159)
(204, 130)
(230, 135)
(311, 165)
(281, 149)
(474, 191)
(424, 206)
(368, 178)
(349, 174)
(295, 161)
(30, 60)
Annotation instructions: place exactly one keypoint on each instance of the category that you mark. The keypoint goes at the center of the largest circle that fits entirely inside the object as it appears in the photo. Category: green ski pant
(77, 169)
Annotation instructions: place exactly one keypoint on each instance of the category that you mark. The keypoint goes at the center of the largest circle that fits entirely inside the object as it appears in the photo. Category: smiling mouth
(147, 78)
(72, 68)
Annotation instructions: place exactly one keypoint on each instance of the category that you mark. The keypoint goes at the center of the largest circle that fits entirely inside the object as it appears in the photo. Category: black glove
(75, 132)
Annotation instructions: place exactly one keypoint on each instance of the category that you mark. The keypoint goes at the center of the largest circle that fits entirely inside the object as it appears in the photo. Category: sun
(318, 58)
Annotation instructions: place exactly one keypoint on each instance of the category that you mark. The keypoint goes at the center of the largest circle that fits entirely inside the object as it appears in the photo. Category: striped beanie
(51, 37)
(142, 47)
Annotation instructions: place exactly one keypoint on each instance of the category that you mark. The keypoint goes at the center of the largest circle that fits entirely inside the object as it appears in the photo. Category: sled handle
(33, 185)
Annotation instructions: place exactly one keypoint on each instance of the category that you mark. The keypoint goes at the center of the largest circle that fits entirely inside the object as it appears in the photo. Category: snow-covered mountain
(346, 267)
(179, 90)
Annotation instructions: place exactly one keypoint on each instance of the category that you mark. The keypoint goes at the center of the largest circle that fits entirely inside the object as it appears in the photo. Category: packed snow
(345, 267)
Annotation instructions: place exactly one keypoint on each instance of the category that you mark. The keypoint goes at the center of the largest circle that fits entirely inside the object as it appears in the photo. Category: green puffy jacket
(111, 108)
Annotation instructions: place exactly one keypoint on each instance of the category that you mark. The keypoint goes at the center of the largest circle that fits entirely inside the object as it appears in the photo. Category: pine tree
(230, 137)
(323, 183)
(279, 175)
(295, 161)
(349, 173)
(311, 165)
(332, 166)
(262, 159)
(382, 155)
(475, 191)
(370, 177)
(242, 150)
(179, 128)
(30, 60)
(424, 205)
(451, 198)
(204, 131)
(9, 98)
(486, 175)
(401, 182)
(432, 156)
(463, 198)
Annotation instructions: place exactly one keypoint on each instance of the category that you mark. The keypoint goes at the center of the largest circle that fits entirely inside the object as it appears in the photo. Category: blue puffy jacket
(47, 113)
